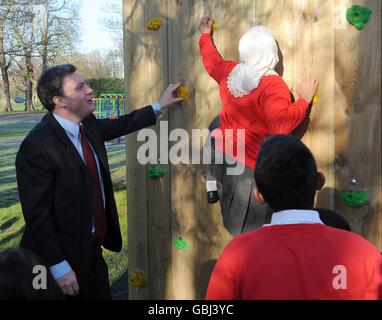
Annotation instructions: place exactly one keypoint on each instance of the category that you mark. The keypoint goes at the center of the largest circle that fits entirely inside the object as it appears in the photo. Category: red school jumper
(265, 111)
(297, 261)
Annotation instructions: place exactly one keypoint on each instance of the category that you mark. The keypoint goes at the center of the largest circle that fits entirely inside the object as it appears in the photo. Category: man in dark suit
(65, 185)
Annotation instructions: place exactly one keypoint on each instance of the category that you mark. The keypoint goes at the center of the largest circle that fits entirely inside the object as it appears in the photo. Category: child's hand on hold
(307, 89)
(205, 25)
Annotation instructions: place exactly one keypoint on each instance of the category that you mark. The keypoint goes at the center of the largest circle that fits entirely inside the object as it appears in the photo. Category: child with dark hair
(25, 277)
(296, 256)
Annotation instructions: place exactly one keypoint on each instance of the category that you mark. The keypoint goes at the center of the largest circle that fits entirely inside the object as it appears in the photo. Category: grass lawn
(19, 108)
(11, 220)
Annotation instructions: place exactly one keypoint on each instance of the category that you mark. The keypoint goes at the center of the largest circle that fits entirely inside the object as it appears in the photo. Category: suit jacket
(56, 191)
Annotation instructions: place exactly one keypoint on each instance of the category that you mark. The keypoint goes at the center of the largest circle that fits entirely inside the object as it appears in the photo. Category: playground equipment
(110, 106)
(341, 48)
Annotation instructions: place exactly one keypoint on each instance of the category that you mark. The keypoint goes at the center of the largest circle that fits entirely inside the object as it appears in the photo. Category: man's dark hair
(286, 173)
(50, 84)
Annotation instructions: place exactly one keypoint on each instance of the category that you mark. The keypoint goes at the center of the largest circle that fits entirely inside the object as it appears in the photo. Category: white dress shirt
(294, 217)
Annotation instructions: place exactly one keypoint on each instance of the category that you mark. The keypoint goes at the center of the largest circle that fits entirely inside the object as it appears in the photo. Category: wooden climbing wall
(344, 132)
(357, 105)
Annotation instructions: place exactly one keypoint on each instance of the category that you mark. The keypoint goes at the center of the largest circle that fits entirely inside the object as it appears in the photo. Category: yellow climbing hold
(137, 279)
(315, 98)
(183, 92)
(214, 26)
(154, 24)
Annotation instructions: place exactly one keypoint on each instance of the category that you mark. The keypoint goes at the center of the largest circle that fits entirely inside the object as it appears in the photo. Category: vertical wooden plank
(158, 190)
(369, 134)
(207, 100)
(148, 199)
(136, 64)
(313, 48)
(211, 235)
(358, 117)
(184, 220)
(346, 70)
(278, 17)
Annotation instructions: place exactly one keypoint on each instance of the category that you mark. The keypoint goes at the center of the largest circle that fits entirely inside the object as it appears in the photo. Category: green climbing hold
(354, 199)
(358, 16)
(180, 243)
(155, 172)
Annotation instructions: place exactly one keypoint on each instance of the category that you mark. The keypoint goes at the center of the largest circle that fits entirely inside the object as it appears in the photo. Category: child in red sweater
(255, 98)
(296, 256)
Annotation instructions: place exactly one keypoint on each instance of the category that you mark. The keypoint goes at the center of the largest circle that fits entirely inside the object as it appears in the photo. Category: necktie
(98, 210)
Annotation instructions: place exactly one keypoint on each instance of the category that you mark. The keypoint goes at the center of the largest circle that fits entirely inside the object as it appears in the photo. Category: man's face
(77, 95)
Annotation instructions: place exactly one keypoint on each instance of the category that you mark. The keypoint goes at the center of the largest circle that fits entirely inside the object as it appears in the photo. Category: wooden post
(357, 106)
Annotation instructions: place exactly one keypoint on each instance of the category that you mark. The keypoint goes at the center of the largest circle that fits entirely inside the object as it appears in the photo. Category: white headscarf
(258, 56)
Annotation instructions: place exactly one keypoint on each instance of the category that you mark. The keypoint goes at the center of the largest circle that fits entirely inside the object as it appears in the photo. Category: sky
(94, 35)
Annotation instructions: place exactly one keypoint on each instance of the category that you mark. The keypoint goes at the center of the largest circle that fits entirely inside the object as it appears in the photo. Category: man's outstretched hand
(168, 97)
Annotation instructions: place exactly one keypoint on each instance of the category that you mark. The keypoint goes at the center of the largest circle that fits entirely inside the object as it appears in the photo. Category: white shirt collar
(69, 126)
(295, 217)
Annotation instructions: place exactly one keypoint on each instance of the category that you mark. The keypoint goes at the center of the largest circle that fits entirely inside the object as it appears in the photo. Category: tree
(102, 71)
(104, 85)
(5, 15)
(95, 64)
(113, 22)
(12, 13)
(59, 29)
(42, 29)
(24, 33)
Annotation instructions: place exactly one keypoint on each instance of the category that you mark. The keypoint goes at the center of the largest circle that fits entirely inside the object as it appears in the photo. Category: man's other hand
(68, 284)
